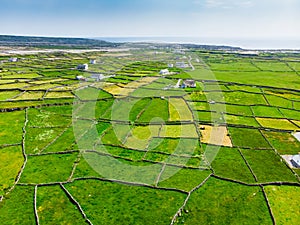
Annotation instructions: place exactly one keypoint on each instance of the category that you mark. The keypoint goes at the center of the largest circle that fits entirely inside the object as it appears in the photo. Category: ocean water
(293, 44)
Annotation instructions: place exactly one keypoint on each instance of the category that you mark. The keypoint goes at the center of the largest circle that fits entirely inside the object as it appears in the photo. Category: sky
(227, 19)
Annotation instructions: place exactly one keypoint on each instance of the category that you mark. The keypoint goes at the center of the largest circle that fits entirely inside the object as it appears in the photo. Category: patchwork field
(136, 148)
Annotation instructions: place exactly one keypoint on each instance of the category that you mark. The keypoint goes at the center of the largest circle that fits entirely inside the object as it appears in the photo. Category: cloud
(228, 3)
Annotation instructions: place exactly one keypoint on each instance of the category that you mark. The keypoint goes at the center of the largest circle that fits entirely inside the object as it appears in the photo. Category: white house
(82, 78)
(97, 77)
(93, 61)
(13, 60)
(164, 72)
(83, 67)
(181, 65)
(170, 65)
(296, 161)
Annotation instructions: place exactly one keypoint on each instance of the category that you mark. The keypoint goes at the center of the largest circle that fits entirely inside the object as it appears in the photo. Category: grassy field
(212, 203)
(131, 148)
(106, 202)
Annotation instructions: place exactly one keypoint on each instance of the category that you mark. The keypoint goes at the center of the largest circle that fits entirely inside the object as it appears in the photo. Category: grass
(64, 143)
(37, 139)
(106, 203)
(176, 131)
(220, 202)
(54, 205)
(179, 111)
(291, 114)
(11, 125)
(183, 179)
(249, 138)
(215, 135)
(265, 111)
(59, 94)
(243, 98)
(283, 203)
(267, 166)
(178, 146)
(156, 111)
(84, 169)
(44, 118)
(17, 208)
(140, 136)
(284, 143)
(239, 110)
(281, 124)
(30, 95)
(48, 168)
(241, 120)
(230, 164)
(10, 165)
(5, 95)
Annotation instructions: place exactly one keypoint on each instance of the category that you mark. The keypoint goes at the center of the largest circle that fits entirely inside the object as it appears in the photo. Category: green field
(134, 148)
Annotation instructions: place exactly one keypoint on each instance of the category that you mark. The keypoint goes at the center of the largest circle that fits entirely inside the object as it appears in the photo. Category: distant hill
(53, 42)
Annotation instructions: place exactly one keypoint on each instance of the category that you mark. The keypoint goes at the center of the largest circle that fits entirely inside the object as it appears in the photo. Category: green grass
(17, 207)
(5, 95)
(249, 138)
(44, 118)
(239, 110)
(291, 114)
(10, 165)
(220, 202)
(84, 169)
(53, 205)
(243, 98)
(179, 110)
(284, 204)
(48, 168)
(267, 166)
(284, 143)
(183, 179)
(265, 111)
(176, 131)
(241, 120)
(37, 139)
(230, 164)
(11, 125)
(110, 203)
(156, 111)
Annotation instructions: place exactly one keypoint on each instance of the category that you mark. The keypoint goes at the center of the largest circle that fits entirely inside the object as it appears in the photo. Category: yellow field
(179, 111)
(281, 124)
(127, 89)
(215, 135)
(177, 131)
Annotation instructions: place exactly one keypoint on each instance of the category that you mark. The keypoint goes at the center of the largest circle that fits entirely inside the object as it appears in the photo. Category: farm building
(189, 83)
(83, 67)
(296, 161)
(13, 60)
(170, 65)
(164, 72)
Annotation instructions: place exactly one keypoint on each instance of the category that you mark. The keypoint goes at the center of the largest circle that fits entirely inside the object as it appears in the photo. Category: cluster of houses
(186, 83)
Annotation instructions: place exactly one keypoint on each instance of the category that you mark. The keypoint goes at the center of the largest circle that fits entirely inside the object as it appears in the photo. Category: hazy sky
(199, 18)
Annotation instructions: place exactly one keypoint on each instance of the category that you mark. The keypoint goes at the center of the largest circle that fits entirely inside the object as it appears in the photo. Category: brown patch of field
(215, 135)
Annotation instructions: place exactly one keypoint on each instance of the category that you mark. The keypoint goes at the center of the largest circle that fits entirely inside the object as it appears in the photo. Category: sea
(253, 44)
